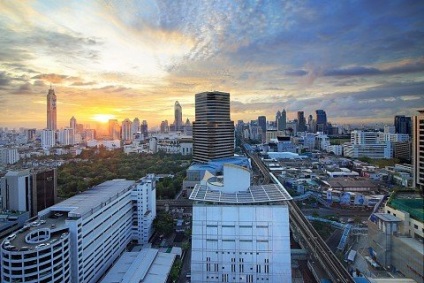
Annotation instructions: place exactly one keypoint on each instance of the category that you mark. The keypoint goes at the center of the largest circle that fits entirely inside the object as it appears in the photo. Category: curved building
(39, 252)
(78, 239)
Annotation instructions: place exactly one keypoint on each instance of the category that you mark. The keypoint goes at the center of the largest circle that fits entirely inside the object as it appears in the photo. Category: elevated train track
(309, 236)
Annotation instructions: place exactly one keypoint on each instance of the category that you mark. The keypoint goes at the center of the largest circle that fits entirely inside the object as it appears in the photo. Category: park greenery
(95, 166)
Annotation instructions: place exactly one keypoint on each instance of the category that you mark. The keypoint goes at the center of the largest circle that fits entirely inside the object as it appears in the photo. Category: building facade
(213, 130)
(78, 239)
(178, 116)
(418, 151)
(240, 233)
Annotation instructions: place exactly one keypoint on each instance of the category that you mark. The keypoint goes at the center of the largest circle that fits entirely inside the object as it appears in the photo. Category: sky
(360, 61)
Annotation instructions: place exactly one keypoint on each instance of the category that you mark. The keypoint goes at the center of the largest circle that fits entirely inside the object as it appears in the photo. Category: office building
(262, 125)
(164, 126)
(301, 122)
(73, 124)
(114, 129)
(28, 190)
(240, 233)
(403, 125)
(418, 151)
(126, 130)
(51, 110)
(281, 121)
(144, 129)
(80, 238)
(213, 130)
(367, 144)
(178, 115)
(321, 121)
(135, 128)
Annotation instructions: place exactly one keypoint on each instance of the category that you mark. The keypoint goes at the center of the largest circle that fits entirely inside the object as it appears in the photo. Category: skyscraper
(114, 129)
(321, 121)
(126, 130)
(281, 122)
(73, 124)
(418, 150)
(213, 130)
(178, 113)
(301, 122)
(403, 125)
(144, 129)
(51, 110)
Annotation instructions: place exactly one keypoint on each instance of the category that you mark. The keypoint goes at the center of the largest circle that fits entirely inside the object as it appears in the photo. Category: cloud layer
(361, 61)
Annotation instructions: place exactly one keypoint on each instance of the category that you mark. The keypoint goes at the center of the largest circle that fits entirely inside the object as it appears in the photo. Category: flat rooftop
(387, 217)
(255, 194)
(148, 265)
(84, 203)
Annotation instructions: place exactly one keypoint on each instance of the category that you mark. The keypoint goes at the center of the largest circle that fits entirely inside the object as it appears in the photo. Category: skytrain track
(313, 241)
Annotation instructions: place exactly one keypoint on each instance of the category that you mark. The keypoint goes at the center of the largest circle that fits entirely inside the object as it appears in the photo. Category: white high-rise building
(418, 150)
(240, 233)
(67, 136)
(78, 239)
(48, 138)
(8, 155)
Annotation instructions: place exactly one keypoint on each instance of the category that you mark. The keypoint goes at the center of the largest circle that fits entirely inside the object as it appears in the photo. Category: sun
(102, 118)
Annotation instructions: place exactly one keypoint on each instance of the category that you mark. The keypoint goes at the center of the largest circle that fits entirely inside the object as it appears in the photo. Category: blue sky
(361, 61)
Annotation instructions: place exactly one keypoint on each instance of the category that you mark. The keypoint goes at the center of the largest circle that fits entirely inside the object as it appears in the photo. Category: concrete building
(51, 110)
(73, 124)
(367, 144)
(213, 130)
(114, 129)
(301, 122)
(418, 151)
(403, 124)
(321, 121)
(80, 238)
(240, 233)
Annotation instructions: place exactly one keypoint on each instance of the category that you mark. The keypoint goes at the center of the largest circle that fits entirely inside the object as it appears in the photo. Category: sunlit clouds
(360, 61)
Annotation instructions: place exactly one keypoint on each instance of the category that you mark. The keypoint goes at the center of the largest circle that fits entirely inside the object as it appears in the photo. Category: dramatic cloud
(360, 61)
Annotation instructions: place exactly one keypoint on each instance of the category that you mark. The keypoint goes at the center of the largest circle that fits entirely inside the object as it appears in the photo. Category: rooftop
(148, 265)
(387, 217)
(85, 202)
(254, 194)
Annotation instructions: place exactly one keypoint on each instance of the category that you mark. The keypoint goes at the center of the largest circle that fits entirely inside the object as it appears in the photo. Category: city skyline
(361, 62)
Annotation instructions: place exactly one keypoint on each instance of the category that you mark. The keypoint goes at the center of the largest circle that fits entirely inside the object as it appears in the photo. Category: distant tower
(144, 129)
(51, 110)
(403, 125)
(127, 130)
(73, 124)
(282, 121)
(178, 113)
(321, 121)
(301, 122)
(135, 128)
(213, 130)
(114, 129)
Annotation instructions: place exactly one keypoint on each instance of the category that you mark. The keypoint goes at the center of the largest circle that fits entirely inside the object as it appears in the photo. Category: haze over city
(360, 61)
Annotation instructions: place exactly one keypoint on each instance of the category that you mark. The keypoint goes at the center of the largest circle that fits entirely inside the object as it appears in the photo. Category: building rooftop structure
(148, 265)
(352, 184)
(96, 197)
(235, 189)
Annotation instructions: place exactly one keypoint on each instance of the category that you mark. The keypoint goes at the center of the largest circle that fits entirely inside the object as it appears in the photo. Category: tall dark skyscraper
(213, 130)
(178, 113)
(262, 124)
(51, 110)
(282, 120)
(321, 121)
(403, 125)
(301, 122)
